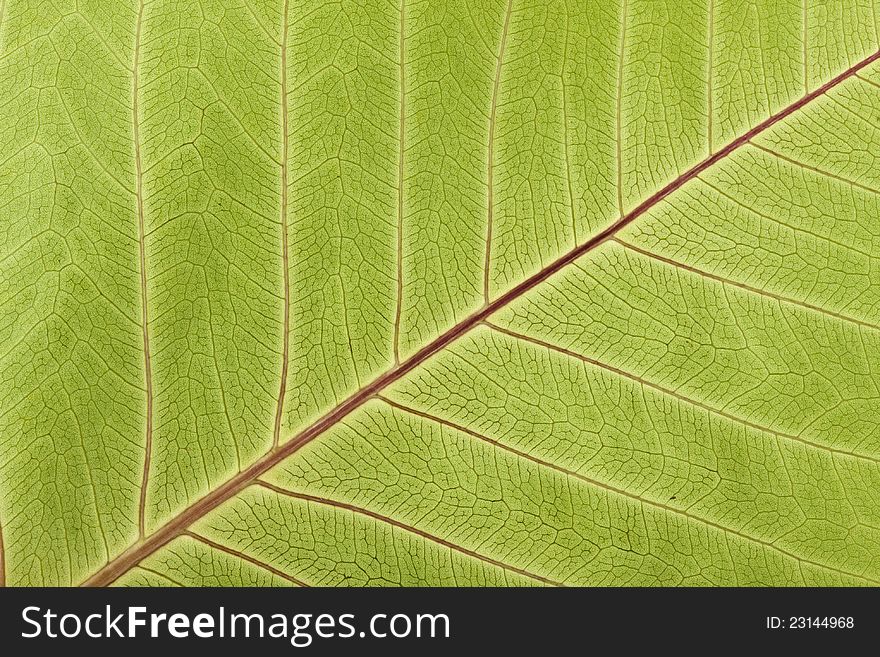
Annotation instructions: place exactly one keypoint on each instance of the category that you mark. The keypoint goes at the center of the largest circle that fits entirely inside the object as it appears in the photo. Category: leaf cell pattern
(450, 293)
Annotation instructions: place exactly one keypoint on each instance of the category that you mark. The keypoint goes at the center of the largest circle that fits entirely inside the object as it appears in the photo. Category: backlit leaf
(439, 292)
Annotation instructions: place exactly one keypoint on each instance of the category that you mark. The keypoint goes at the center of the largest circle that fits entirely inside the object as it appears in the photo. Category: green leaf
(444, 293)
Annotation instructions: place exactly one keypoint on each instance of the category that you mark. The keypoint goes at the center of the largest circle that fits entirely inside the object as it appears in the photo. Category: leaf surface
(439, 293)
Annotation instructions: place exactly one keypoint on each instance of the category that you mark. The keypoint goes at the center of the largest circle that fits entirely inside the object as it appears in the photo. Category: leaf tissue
(439, 292)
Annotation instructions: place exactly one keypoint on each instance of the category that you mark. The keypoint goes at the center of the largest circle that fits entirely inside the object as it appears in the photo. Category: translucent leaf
(439, 293)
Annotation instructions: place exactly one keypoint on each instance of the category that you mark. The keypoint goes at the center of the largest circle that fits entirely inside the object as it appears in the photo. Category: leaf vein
(743, 286)
(407, 528)
(285, 264)
(614, 489)
(244, 557)
(672, 393)
(815, 169)
(142, 265)
(400, 178)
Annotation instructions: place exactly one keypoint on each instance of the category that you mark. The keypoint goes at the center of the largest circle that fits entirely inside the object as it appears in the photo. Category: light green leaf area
(447, 292)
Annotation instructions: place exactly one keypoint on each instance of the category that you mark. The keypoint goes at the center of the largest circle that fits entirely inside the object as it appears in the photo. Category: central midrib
(173, 528)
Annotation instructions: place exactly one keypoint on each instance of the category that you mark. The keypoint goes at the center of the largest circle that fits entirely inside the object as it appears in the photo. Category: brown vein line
(162, 576)
(876, 25)
(817, 170)
(711, 81)
(490, 175)
(797, 229)
(565, 137)
(285, 355)
(764, 75)
(88, 149)
(244, 557)
(849, 110)
(867, 80)
(744, 286)
(100, 37)
(142, 263)
(232, 486)
(672, 393)
(401, 132)
(613, 489)
(259, 23)
(407, 528)
(618, 128)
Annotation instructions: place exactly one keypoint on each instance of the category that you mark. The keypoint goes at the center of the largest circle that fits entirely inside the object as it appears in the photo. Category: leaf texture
(439, 293)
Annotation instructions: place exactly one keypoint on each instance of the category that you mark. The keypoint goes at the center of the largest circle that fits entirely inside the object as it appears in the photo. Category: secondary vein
(490, 175)
(285, 355)
(618, 128)
(724, 280)
(244, 557)
(672, 393)
(2, 558)
(142, 264)
(595, 483)
(407, 528)
(401, 133)
(711, 81)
